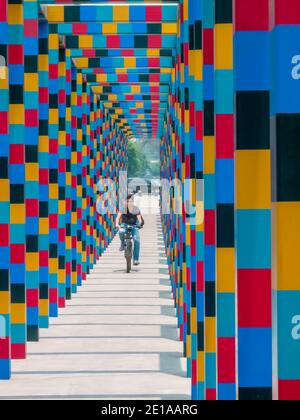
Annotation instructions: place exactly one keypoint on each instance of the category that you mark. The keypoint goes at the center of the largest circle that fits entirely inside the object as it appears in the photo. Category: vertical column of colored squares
(88, 181)
(62, 208)
(53, 170)
(74, 178)
(93, 181)
(17, 178)
(224, 149)
(182, 261)
(5, 354)
(79, 137)
(31, 131)
(68, 176)
(43, 150)
(285, 121)
(253, 200)
(210, 201)
(84, 177)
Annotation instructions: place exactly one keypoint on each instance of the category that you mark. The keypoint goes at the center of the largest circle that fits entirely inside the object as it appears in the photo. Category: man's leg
(122, 239)
(137, 245)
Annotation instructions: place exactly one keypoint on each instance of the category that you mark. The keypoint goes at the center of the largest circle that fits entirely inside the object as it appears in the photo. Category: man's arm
(118, 219)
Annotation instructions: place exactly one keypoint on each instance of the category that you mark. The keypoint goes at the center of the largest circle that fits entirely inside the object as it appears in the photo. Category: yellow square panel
(153, 53)
(121, 13)
(15, 14)
(200, 366)
(286, 228)
(225, 270)
(32, 261)
(109, 28)
(224, 46)
(210, 335)
(53, 265)
(16, 114)
(53, 116)
(53, 41)
(5, 302)
(53, 191)
(32, 171)
(253, 175)
(44, 307)
(43, 226)
(209, 155)
(55, 14)
(129, 62)
(18, 313)
(169, 28)
(4, 188)
(43, 144)
(17, 214)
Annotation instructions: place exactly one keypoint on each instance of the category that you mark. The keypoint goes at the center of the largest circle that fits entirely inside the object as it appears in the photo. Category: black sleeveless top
(130, 218)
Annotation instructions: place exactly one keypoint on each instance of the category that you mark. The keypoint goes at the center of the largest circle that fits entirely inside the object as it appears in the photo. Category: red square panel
(53, 295)
(3, 123)
(16, 154)
(226, 360)
(32, 208)
(31, 118)
(43, 95)
(18, 351)
(53, 221)
(113, 41)
(210, 227)
(224, 136)
(17, 254)
(4, 235)
(155, 41)
(32, 298)
(287, 12)
(44, 177)
(252, 15)
(211, 394)
(53, 71)
(15, 54)
(44, 258)
(208, 43)
(4, 348)
(53, 146)
(79, 28)
(31, 27)
(255, 298)
(289, 390)
(3, 10)
(154, 14)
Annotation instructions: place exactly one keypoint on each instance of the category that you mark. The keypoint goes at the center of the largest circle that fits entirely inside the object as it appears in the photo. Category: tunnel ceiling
(126, 51)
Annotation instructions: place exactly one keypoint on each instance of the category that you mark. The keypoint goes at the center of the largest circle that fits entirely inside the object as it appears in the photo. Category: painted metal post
(5, 333)
(17, 179)
(224, 149)
(31, 131)
(43, 150)
(253, 200)
(285, 145)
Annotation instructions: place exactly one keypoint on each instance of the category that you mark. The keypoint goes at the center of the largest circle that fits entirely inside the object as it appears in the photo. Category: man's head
(130, 200)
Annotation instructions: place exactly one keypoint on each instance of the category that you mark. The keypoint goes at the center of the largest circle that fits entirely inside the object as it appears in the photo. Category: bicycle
(128, 238)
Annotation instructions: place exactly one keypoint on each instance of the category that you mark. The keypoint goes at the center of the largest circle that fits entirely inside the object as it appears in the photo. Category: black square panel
(253, 120)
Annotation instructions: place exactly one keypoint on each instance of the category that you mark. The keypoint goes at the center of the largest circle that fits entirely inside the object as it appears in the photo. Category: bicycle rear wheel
(128, 256)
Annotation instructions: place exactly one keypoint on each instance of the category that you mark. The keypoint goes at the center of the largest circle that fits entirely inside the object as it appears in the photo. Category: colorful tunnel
(215, 83)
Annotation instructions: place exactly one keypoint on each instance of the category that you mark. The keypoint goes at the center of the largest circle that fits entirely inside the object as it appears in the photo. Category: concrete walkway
(117, 338)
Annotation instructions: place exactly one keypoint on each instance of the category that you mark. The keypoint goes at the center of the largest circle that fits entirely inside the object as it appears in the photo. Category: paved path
(117, 338)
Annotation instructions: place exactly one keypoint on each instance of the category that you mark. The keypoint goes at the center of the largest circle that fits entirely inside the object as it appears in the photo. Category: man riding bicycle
(131, 217)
